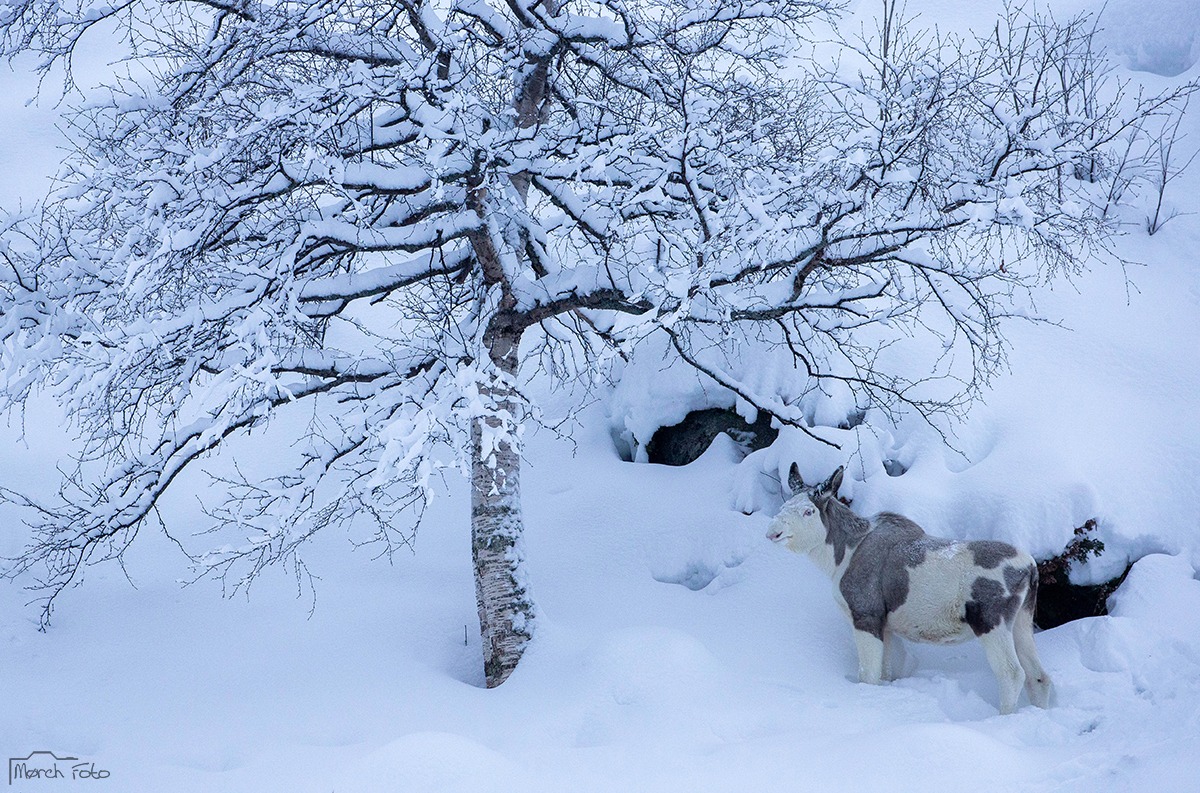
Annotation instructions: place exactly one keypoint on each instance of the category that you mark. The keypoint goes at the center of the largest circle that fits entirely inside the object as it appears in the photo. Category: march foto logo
(43, 766)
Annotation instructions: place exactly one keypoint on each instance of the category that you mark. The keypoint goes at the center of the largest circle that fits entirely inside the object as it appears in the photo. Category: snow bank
(1162, 37)
(636, 681)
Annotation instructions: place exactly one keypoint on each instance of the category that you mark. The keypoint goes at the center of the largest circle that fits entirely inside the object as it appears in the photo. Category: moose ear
(795, 481)
(835, 482)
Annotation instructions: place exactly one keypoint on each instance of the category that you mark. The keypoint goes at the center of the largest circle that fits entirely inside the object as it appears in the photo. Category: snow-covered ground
(678, 649)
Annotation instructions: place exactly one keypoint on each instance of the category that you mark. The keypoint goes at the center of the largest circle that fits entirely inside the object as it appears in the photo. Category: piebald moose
(894, 580)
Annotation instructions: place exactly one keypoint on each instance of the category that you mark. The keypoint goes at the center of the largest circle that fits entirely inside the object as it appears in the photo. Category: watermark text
(43, 766)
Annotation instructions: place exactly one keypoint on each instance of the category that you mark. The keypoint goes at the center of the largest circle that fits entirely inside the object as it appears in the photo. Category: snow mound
(1162, 37)
(1162, 591)
(436, 761)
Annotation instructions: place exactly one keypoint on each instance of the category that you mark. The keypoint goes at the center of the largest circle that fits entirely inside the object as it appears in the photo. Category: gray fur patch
(988, 554)
(876, 581)
(989, 605)
(1015, 578)
(1022, 582)
(843, 529)
(1031, 594)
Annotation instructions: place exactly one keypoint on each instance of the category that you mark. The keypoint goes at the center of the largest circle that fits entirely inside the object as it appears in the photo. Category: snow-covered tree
(356, 211)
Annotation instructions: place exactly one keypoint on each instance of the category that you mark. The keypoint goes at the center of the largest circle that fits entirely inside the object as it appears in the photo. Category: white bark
(506, 610)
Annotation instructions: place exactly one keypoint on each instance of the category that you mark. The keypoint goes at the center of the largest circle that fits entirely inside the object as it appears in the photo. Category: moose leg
(870, 657)
(893, 656)
(1002, 656)
(1037, 682)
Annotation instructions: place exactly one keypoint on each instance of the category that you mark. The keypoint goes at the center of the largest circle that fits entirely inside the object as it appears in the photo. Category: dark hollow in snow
(1060, 601)
(684, 442)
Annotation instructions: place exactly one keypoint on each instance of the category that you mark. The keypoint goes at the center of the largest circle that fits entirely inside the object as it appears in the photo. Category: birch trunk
(505, 608)
(506, 611)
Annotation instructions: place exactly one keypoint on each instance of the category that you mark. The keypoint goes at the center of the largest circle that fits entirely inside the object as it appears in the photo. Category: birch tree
(382, 215)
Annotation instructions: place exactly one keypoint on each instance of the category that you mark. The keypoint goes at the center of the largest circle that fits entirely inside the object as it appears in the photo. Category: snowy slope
(678, 649)
(635, 681)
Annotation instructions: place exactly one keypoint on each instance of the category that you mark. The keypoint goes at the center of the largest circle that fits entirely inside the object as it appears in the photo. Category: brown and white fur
(893, 580)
